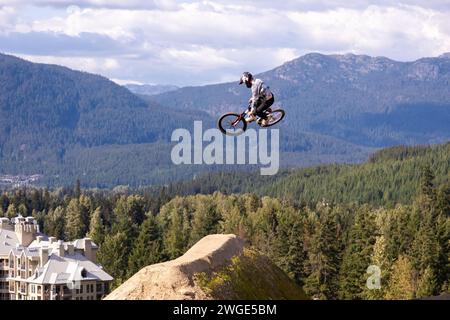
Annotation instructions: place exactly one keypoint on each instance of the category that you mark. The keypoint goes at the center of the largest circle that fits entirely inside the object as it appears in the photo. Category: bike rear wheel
(232, 124)
(275, 116)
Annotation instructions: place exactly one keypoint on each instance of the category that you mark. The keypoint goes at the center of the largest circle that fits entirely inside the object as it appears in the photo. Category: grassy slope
(250, 276)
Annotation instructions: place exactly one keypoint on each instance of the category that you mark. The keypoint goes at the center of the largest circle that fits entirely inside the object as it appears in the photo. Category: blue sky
(202, 42)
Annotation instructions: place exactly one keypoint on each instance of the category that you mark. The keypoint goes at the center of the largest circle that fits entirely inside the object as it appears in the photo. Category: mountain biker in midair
(262, 98)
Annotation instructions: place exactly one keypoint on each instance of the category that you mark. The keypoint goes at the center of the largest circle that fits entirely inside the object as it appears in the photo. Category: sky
(201, 42)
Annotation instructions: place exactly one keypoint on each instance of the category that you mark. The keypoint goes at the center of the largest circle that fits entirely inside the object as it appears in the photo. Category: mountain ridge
(66, 125)
(356, 98)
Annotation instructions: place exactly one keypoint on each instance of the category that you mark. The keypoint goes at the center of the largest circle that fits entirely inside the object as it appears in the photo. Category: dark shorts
(262, 106)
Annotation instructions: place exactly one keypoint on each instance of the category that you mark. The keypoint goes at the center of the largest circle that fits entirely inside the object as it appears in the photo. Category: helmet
(246, 78)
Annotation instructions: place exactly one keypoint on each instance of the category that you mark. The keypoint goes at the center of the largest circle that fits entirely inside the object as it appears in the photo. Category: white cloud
(197, 58)
(129, 4)
(400, 33)
(125, 81)
(7, 17)
(88, 64)
(170, 41)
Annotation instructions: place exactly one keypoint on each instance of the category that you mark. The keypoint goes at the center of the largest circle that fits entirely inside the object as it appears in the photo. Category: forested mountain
(324, 246)
(65, 125)
(368, 101)
(389, 177)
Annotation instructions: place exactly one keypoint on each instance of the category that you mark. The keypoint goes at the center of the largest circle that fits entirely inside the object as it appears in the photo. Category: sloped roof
(28, 252)
(79, 244)
(8, 241)
(61, 270)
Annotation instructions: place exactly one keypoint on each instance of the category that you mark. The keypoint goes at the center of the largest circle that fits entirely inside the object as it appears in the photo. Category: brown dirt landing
(174, 280)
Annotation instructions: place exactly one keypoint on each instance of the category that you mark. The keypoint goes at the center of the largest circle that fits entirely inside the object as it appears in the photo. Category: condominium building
(34, 266)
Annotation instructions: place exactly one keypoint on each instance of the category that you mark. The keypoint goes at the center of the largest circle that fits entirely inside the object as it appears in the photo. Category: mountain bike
(234, 124)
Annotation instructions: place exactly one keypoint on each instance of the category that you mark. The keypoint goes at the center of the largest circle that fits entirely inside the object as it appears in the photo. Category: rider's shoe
(250, 117)
(264, 122)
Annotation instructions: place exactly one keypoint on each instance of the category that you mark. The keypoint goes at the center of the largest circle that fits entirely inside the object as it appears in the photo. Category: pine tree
(147, 248)
(75, 228)
(85, 209)
(401, 283)
(265, 223)
(174, 241)
(4, 202)
(97, 229)
(36, 200)
(113, 256)
(357, 255)
(23, 211)
(427, 284)
(174, 223)
(443, 237)
(205, 218)
(12, 211)
(425, 248)
(380, 260)
(289, 253)
(128, 215)
(39, 216)
(54, 222)
(77, 190)
(322, 263)
(426, 183)
(233, 221)
(400, 229)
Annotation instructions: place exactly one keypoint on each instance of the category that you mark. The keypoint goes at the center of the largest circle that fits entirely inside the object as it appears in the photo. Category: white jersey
(259, 90)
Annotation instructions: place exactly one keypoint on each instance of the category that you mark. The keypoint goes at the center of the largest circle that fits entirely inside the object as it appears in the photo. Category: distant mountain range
(64, 124)
(367, 101)
(150, 89)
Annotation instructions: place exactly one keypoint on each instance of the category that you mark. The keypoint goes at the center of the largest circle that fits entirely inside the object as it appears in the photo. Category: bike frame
(269, 110)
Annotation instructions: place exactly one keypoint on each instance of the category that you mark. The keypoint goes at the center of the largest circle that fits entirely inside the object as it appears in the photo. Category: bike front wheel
(232, 124)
